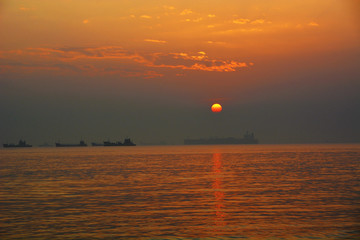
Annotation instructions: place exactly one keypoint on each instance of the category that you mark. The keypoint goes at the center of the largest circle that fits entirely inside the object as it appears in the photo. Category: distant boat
(21, 144)
(248, 138)
(112, 144)
(127, 142)
(81, 144)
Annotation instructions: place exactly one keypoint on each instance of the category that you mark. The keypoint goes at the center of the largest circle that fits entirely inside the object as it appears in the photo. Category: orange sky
(180, 35)
(237, 51)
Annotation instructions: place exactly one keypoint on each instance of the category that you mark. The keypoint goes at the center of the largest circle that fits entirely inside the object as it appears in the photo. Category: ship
(81, 144)
(21, 144)
(127, 142)
(112, 144)
(249, 138)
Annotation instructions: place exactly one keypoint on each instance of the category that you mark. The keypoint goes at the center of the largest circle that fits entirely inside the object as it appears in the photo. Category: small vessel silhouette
(21, 144)
(127, 142)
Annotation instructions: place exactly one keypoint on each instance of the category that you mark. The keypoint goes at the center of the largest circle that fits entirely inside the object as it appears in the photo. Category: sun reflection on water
(219, 194)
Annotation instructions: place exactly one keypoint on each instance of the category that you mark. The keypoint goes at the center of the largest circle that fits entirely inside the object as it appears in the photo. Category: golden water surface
(181, 192)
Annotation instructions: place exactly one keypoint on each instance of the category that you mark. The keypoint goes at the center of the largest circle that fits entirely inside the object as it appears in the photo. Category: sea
(181, 192)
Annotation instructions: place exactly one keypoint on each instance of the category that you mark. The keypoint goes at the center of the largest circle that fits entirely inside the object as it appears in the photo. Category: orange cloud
(258, 21)
(146, 16)
(25, 9)
(114, 60)
(241, 21)
(186, 12)
(313, 24)
(155, 41)
(152, 74)
(216, 42)
(169, 7)
(199, 62)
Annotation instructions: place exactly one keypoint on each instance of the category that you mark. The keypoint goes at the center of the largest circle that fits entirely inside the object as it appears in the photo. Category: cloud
(216, 42)
(200, 62)
(152, 74)
(186, 12)
(199, 57)
(25, 9)
(114, 60)
(197, 19)
(240, 30)
(313, 24)
(154, 41)
(169, 7)
(258, 21)
(225, 67)
(241, 21)
(146, 16)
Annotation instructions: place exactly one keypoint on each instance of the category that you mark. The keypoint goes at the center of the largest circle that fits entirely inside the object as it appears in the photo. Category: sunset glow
(126, 54)
(201, 119)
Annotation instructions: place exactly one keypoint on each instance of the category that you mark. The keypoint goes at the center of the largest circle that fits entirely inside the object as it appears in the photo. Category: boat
(249, 138)
(127, 142)
(81, 144)
(112, 144)
(21, 144)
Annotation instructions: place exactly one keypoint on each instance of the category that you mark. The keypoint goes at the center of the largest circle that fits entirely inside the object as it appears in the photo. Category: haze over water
(185, 192)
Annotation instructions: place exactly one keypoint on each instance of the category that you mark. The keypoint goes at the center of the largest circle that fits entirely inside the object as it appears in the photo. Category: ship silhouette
(249, 138)
(21, 144)
(127, 142)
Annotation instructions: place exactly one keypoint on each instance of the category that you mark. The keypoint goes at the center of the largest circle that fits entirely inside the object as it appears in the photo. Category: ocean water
(181, 192)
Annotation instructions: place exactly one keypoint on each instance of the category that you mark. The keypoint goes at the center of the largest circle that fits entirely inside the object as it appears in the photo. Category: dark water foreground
(182, 192)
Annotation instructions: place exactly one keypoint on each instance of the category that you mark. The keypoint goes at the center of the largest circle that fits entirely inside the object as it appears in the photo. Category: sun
(216, 108)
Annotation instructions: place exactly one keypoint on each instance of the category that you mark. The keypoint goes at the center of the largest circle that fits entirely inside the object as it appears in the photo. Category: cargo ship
(127, 142)
(21, 144)
(81, 144)
(249, 138)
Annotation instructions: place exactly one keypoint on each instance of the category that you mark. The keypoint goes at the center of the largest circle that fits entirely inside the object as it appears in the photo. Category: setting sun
(216, 108)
